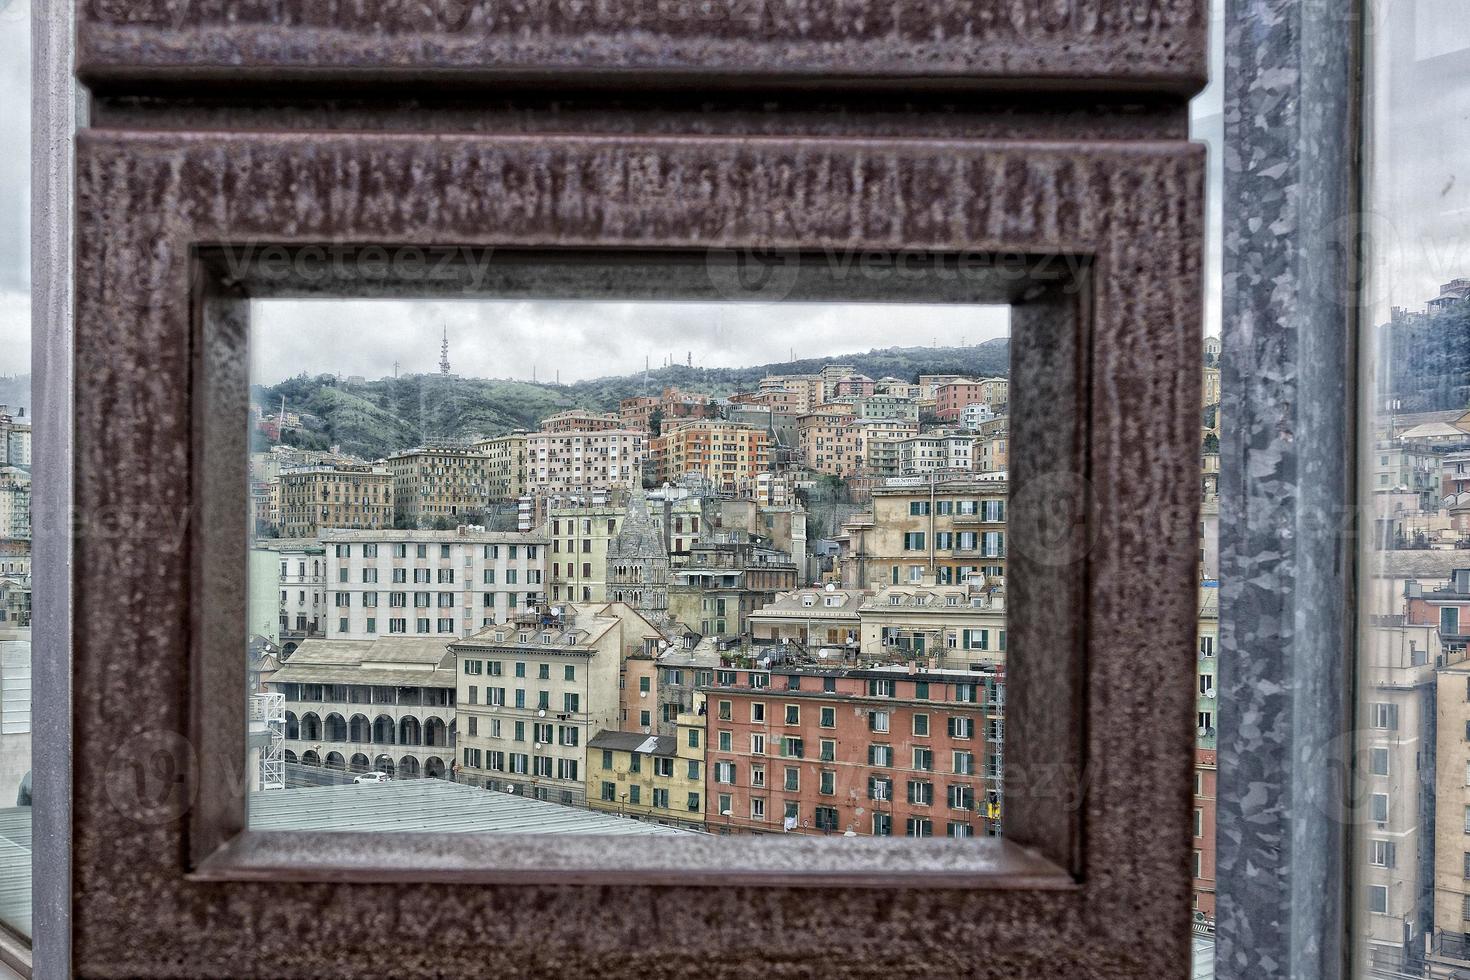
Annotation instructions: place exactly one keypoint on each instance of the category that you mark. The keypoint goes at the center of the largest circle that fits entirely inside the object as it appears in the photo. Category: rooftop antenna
(395, 370)
(444, 352)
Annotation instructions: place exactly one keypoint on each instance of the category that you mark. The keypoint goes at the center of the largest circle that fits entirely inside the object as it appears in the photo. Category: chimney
(913, 666)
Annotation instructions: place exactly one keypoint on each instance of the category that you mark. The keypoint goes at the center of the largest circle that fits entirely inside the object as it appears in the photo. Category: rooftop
(635, 742)
(430, 806)
(473, 533)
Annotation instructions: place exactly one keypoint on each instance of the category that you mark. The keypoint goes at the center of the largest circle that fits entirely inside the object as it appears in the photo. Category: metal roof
(635, 742)
(428, 806)
(15, 868)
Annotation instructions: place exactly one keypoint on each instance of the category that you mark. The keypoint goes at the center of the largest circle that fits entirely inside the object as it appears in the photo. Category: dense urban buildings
(443, 483)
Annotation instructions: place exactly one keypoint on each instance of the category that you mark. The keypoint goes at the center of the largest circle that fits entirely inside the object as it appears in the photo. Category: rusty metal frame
(1103, 539)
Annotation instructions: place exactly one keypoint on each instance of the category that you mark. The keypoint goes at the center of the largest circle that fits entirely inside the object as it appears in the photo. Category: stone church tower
(638, 563)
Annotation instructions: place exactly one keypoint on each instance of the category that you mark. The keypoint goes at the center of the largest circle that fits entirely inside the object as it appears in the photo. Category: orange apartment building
(673, 404)
(728, 454)
(877, 752)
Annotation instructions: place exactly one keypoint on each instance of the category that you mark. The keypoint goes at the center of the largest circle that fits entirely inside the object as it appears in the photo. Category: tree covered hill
(376, 418)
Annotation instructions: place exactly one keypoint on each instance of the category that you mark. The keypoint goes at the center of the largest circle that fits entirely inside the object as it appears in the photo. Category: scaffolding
(268, 733)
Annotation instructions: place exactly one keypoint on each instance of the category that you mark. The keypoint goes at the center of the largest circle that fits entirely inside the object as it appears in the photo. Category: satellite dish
(511, 789)
(541, 713)
(849, 833)
(831, 587)
(724, 813)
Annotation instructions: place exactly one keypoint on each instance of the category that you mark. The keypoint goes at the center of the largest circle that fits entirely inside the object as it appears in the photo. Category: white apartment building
(533, 691)
(303, 589)
(581, 462)
(935, 452)
(429, 583)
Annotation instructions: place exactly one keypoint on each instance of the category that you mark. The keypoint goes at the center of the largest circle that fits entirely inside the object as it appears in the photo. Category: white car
(373, 777)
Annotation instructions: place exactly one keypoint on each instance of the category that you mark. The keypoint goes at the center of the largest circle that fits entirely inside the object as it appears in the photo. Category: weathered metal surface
(144, 200)
(1083, 44)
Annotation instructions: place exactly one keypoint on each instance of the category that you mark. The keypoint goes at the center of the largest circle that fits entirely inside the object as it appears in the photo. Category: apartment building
(655, 778)
(953, 397)
(812, 618)
(834, 442)
(855, 386)
(533, 692)
(385, 705)
(440, 484)
(332, 495)
(15, 503)
(727, 454)
(950, 530)
(956, 624)
(880, 752)
(935, 452)
(805, 391)
(581, 420)
(883, 406)
(715, 589)
(1206, 724)
(992, 454)
(301, 580)
(639, 413)
(505, 465)
(831, 374)
(430, 583)
(579, 462)
(15, 437)
(580, 535)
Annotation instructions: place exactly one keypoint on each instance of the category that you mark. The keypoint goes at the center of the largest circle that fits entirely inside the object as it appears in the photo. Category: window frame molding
(1100, 603)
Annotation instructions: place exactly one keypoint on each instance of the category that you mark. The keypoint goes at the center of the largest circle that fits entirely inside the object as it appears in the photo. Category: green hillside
(376, 418)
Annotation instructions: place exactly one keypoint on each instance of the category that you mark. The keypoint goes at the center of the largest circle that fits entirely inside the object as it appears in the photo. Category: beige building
(813, 618)
(948, 530)
(363, 705)
(834, 442)
(505, 465)
(533, 692)
(958, 624)
(335, 495)
(726, 454)
(576, 462)
(443, 484)
(804, 392)
(429, 583)
(991, 453)
(581, 420)
(579, 537)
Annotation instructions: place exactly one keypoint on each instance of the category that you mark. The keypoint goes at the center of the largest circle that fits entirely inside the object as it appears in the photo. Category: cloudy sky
(15, 196)
(583, 340)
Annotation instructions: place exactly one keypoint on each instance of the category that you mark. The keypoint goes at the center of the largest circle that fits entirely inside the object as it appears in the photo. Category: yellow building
(727, 454)
(439, 482)
(918, 531)
(505, 465)
(334, 495)
(579, 539)
(657, 778)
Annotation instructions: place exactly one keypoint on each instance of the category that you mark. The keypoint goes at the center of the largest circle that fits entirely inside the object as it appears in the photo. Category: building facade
(440, 484)
(727, 454)
(384, 705)
(533, 692)
(579, 462)
(335, 495)
(871, 752)
(948, 530)
(429, 583)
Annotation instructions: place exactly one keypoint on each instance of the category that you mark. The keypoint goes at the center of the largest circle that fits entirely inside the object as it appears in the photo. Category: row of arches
(407, 767)
(382, 730)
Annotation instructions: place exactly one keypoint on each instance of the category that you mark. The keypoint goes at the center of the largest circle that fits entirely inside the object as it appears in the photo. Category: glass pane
(1207, 122)
(629, 566)
(15, 467)
(1412, 912)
